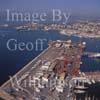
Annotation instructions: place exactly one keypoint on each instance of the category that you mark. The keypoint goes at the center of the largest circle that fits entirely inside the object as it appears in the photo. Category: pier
(59, 63)
(92, 54)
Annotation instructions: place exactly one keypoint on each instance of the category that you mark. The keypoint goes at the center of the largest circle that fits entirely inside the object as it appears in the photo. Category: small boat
(81, 87)
(79, 91)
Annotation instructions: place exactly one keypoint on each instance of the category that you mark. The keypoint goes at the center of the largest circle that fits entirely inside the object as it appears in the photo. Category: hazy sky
(73, 6)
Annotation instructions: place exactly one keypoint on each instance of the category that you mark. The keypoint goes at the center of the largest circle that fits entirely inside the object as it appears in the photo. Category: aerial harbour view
(50, 50)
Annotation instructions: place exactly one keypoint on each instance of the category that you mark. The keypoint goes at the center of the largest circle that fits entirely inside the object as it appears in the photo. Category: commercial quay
(53, 75)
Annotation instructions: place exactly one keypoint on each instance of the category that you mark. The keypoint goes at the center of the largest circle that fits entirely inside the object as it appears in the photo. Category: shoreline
(80, 36)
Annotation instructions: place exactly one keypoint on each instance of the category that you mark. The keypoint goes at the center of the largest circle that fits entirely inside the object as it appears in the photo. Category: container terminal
(53, 75)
